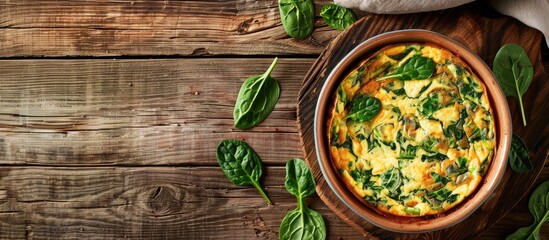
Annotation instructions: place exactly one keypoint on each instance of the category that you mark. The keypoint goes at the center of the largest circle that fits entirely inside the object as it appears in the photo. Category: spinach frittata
(429, 144)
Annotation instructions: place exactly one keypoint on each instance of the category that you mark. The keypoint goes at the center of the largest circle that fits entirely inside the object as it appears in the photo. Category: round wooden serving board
(484, 35)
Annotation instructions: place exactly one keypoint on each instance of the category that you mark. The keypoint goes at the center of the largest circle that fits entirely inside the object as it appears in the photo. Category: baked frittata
(431, 139)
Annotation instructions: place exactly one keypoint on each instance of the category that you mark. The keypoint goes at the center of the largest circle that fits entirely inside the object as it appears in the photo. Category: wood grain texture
(482, 35)
(96, 148)
(138, 112)
(150, 28)
(144, 203)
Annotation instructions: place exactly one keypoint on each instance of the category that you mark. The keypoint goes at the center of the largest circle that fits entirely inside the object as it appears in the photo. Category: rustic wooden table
(110, 113)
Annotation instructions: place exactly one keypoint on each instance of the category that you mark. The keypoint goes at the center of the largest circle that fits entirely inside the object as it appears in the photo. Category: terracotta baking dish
(502, 124)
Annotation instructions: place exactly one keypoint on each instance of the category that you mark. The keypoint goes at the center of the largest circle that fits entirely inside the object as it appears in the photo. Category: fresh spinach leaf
(299, 180)
(337, 17)
(302, 222)
(240, 164)
(539, 208)
(364, 108)
(514, 72)
(416, 68)
(297, 17)
(518, 155)
(256, 99)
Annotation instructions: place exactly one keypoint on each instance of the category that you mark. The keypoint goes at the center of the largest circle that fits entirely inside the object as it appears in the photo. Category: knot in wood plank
(163, 200)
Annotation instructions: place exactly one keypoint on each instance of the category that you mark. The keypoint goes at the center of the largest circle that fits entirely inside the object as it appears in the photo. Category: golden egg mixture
(431, 139)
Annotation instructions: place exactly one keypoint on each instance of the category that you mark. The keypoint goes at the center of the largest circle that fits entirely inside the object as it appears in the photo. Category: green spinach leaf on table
(513, 71)
(240, 164)
(301, 223)
(337, 17)
(539, 208)
(256, 99)
(518, 155)
(297, 17)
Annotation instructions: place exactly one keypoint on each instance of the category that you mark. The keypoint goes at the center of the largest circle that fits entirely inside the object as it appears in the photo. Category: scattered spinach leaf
(416, 68)
(240, 164)
(297, 17)
(256, 99)
(518, 155)
(539, 208)
(364, 108)
(514, 72)
(302, 222)
(337, 17)
(299, 180)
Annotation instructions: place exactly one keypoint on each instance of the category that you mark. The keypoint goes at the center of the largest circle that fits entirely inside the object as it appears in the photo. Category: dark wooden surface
(110, 112)
(483, 36)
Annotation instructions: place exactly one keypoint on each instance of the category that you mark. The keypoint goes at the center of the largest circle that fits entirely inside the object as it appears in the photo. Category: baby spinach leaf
(297, 17)
(518, 155)
(364, 108)
(256, 99)
(416, 68)
(302, 222)
(299, 179)
(539, 208)
(514, 72)
(240, 164)
(337, 17)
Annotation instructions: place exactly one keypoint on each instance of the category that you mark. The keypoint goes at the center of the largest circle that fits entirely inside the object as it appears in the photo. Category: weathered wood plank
(138, 112)
(159, 202)
(142, 27)
(144, 203)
